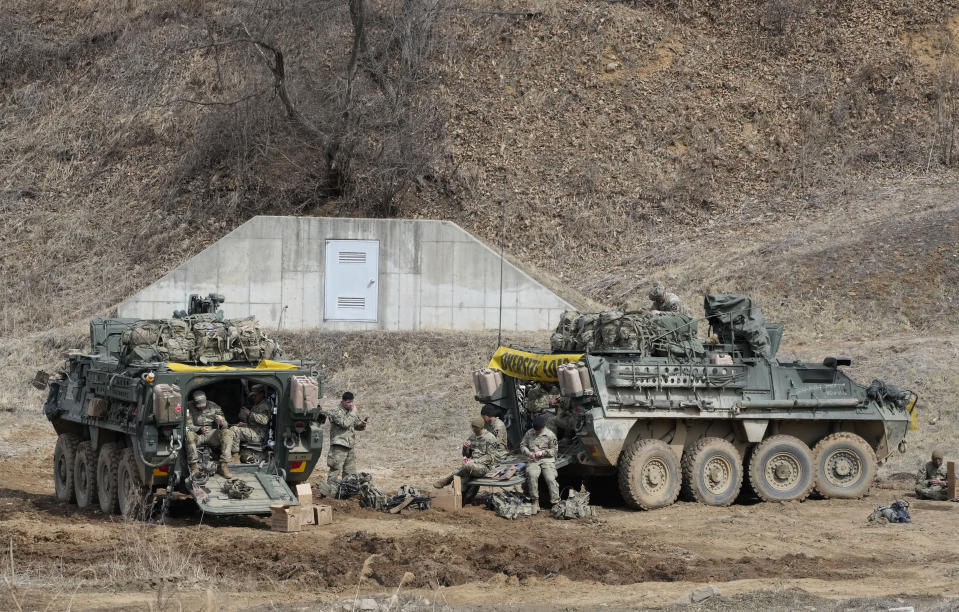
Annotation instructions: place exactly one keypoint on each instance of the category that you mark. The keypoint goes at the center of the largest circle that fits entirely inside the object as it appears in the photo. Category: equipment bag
(573, 507)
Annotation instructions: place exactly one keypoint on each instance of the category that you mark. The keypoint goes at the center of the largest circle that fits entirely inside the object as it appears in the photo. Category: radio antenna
(502, 246)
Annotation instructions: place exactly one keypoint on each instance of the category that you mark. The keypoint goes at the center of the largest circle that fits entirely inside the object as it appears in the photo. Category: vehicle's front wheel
(845, 466)
(64, 456)
(649, 474)
(713, 471)
(781, 469)
(132, 495)
(85, 474)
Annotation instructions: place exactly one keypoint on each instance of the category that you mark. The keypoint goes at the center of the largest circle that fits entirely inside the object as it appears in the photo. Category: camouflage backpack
(509, 504)
(573, 507)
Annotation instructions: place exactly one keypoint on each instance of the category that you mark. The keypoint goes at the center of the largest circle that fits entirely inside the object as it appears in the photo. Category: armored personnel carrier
(121, 412)
(641, 398)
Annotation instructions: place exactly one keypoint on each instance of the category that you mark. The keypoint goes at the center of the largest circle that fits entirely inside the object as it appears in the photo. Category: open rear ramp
(268, 489)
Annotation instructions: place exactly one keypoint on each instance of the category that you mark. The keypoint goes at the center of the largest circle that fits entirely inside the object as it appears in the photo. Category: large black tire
(781, 469)
(85, 475)
(64, 455)
(108, 463)
(712, 472)
(649, 475)
(132, 496)
(845, 466)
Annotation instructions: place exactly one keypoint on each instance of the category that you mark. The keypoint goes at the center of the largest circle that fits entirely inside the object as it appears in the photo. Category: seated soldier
(541, 447)
(481, 452)
(931, 479)
(253, 421)
(493, 423)
(206, 426)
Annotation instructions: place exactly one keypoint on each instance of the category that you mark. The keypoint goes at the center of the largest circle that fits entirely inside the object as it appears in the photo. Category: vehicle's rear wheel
(781, 469)
(131, 494)
(85, 474)
(845, 466)
(64, 456)
(649, 474)
(712, 472)
(108, 462)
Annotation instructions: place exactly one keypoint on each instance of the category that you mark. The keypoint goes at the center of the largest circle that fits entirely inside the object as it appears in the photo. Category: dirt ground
(813, 555)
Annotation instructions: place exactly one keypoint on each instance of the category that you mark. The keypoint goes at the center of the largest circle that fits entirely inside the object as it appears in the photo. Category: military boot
(444, 482)
(235, 458)
(225, 469)
(535, 506)
(194, 467)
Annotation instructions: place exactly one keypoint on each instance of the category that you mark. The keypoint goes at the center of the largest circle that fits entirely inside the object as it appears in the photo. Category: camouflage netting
(640, 330)
(201, 338)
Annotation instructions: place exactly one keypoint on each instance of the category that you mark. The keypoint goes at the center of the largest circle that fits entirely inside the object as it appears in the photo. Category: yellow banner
(266, 364)
(530, 366)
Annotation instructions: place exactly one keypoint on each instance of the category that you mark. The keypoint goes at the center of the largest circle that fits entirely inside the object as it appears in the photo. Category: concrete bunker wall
(431, 275)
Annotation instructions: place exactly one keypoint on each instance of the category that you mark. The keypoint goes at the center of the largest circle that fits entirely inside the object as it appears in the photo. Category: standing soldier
(663, 301)
(931, 479)
(206, 426)
(253, 421)
(344, 423)
(541, 447)
(493, 424)
(480, 452)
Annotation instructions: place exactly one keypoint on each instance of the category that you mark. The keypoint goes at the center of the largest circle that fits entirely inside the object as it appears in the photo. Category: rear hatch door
(268, 489)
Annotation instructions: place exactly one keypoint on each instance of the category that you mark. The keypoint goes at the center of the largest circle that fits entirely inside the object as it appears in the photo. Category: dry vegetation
(803, 152)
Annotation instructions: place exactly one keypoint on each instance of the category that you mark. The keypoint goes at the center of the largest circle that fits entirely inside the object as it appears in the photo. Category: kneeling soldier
(931, 479)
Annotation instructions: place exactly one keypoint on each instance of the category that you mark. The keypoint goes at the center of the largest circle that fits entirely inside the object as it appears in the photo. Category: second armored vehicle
(644, 400)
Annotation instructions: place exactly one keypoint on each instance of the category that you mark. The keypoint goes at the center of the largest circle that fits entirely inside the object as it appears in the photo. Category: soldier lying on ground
(206, 426)
(931, 479)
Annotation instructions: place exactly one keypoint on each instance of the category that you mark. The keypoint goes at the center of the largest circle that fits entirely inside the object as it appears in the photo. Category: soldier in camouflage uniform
(664, 301)
(493, 424)
(541, 447)
(344, 423)
(206, 426)
(542, 397)
(253, 421)
(480, 452)
(931, 479)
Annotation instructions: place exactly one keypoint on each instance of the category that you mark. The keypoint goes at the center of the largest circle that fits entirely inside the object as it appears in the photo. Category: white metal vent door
(352, 280)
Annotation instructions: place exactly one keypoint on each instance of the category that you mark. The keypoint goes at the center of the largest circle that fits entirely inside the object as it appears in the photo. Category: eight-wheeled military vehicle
(643, 399)
(121, 413)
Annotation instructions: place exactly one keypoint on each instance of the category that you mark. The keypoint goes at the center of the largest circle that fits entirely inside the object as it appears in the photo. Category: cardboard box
(323, 515)
(951, 480)
(306, 514)
(304, 494)
(285, 518)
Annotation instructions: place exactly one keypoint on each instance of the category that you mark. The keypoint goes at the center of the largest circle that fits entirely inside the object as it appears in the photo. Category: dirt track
(473, 558)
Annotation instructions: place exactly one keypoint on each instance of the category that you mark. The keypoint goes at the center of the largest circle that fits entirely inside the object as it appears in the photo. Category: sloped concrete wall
(432, 275)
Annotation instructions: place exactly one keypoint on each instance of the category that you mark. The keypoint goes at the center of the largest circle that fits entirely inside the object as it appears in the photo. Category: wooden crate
(285, 518)
(951, 480)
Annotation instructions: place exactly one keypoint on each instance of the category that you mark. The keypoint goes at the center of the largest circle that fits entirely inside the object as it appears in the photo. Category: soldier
(663, 301)
(253, 421)
(542, 397)
(541, 447)
(206, 426)
(344, 423)
(480, 452)
(493, 424)
(931, 479)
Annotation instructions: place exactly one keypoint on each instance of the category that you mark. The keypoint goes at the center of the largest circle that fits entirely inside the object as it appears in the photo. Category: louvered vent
(351, 303)
(352, 257)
